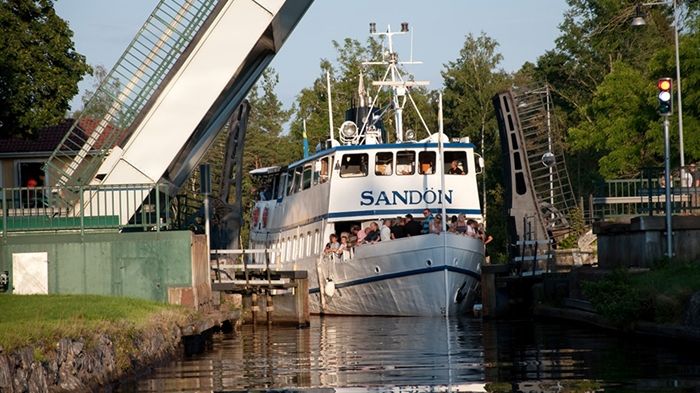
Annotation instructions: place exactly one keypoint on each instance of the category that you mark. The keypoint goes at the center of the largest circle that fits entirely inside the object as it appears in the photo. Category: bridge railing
(645, 195)
(25, 209)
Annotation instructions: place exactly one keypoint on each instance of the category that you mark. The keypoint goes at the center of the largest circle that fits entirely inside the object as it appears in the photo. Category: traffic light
(665, 86)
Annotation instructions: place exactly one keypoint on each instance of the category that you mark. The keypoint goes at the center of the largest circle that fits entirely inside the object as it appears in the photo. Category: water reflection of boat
(362, 178)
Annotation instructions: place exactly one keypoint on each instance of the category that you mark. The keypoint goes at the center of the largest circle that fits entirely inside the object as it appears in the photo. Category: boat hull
(429, 275)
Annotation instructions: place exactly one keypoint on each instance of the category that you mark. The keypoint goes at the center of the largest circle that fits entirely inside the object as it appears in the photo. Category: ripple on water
(360, 354)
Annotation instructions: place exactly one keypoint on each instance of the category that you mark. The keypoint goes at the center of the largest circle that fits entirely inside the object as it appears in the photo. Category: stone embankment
(85, 363)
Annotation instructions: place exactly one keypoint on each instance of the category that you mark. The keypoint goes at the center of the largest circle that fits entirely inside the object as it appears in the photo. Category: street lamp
(638, 20)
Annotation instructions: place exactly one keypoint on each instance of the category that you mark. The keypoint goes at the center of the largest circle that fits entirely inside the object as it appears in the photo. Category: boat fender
(329, 288)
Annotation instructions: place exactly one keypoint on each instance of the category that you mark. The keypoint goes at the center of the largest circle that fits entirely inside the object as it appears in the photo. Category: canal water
(373, 354)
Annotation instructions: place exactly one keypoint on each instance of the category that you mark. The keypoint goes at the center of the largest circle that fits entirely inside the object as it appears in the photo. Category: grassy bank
(42, 320)
(659, 295)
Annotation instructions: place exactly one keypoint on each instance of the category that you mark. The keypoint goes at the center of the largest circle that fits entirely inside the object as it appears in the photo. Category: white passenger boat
(358, 179)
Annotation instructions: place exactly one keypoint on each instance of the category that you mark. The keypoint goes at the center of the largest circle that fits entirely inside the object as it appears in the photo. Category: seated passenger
(426, 168)
(455, 169)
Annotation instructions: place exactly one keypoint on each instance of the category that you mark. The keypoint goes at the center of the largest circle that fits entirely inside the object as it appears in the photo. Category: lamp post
(638, 20)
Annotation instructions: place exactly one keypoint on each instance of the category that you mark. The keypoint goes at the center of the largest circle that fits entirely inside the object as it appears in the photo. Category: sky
(525, 29)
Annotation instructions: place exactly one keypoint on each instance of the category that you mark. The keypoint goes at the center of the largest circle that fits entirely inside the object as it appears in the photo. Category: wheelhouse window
(384, 164)
(427, 162)
(405, 162)
(455, 163)
(321, 172)
(354, 165)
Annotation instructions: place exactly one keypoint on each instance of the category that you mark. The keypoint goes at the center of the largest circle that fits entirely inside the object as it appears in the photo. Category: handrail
(26, 209)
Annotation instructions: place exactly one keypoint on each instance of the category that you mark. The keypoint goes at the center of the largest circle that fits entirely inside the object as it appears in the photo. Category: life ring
(264, 217)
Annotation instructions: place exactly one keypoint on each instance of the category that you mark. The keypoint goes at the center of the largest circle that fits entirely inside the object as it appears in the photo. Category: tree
(265, 145)
(39, 67)
(312, 102)
(470, 83)
(623, 127)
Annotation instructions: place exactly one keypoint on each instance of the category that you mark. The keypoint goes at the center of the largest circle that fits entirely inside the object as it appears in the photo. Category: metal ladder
(551, 185)
(110, 115)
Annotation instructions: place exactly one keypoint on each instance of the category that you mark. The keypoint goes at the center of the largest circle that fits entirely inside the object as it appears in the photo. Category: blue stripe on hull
(406, 273)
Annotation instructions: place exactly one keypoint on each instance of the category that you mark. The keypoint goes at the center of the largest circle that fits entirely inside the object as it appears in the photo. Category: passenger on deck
(412, 227)
(385, 232)
(452, 225)
(343, 250)
(461, 224)
(435, 225)
(427, 219)
(472, 228)
(332, 246)
(353, 238)
(372, 232)
(397, 228)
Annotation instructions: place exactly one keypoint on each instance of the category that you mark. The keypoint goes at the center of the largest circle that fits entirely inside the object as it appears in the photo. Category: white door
(30, 273)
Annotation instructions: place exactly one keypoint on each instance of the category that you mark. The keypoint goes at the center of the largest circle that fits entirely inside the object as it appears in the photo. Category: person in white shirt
(385, 232)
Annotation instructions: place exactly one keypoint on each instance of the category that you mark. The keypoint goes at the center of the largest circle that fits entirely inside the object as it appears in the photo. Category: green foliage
(265, 145)
(470, 82)
(39, 67)
(36, 319)
(617, 299)
(659, 295)
(622, 125)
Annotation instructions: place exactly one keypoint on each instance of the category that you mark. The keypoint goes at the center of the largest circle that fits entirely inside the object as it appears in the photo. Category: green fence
(645, 195)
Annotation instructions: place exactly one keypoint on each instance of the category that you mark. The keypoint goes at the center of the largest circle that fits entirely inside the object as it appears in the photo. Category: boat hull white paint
(428, 275)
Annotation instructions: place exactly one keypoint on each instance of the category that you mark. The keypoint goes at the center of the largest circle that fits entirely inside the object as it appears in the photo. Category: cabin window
(405, 162)
(295, 248)
(321, 172)
(354, 165)
(455, 163)
(317, 242)
(309, 239)
(290, 182)
(384, 163)
(298, 178)
(426, 159)
(306, 178)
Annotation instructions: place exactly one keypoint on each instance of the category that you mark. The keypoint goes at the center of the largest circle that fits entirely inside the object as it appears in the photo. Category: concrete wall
(642, 242)
(142, 265)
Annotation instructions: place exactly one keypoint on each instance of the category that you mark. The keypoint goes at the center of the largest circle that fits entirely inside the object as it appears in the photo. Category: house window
(30, 173)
